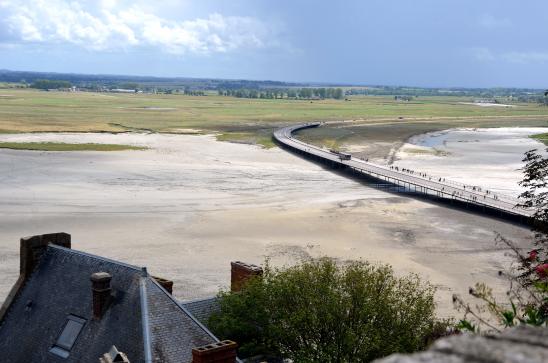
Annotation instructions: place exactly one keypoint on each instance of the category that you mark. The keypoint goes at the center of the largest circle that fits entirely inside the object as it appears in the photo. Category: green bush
(320, 311)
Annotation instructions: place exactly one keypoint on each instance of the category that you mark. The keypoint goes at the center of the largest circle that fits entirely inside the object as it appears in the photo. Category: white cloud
(108, 25)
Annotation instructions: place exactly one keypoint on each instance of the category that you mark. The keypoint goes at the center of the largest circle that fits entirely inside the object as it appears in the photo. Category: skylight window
(68, 336)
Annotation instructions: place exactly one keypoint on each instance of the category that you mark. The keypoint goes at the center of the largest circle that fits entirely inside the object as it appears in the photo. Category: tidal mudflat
(489, 157)
(188, 205)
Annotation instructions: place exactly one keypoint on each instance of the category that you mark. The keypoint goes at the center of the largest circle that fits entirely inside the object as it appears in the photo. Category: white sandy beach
(189, 205)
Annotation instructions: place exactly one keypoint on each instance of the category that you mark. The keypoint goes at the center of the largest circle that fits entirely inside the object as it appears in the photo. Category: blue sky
(471, 43)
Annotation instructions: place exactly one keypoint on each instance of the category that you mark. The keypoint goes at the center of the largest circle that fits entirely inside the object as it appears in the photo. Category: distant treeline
(50, 84)
(294, 93)
(243, 84)
(463, 92)
(247, 88)
(98, 82)
(190, 92)
(542, 99)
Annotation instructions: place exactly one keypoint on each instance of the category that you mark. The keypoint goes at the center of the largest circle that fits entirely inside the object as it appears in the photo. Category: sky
(428, 43)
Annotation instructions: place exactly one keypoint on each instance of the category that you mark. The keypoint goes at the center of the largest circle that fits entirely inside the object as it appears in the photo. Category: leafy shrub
(320, 311)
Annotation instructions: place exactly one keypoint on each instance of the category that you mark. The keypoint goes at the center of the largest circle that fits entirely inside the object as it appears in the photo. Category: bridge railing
(465, 192)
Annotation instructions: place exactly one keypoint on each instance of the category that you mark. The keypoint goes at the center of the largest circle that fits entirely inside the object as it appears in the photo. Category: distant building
(71, 306)
(123, 90)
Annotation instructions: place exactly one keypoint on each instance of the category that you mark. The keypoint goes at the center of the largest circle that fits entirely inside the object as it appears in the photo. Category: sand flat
(489, 157)
(189, 205)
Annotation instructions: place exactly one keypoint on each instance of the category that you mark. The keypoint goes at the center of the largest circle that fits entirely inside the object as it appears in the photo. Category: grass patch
(30, 110)
(382, 119)
(541, 137)
(60, 146)
(265, 140)
(431, 151)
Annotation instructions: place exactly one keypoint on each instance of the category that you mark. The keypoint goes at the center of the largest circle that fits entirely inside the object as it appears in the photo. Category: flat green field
(541, 137)
(246, 120)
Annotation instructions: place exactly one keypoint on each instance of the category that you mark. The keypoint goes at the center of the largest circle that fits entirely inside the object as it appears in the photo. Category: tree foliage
(50, 84)
(290, 93)
(320, 311)
(536, 196)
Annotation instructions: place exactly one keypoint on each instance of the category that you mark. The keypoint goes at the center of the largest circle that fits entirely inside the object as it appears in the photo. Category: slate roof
(203, 308)
(143, 320)
(164, 320)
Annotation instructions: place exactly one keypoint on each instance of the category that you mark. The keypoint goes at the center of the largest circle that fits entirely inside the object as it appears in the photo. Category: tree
(321, 311)
(321, 92)
(50, 84)
(536, 196)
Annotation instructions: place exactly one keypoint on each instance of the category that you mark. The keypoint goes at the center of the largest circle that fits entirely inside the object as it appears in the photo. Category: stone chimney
(31, 250)
(241, 272)
(165, 283)
(220, 352)
(100, 286)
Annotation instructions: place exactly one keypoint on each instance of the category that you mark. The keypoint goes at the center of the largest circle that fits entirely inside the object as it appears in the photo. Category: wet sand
(189, 205)
(489, 157)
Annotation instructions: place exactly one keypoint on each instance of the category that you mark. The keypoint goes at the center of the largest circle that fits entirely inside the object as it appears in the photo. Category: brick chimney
(241, 272)
(100, 286)
(220, 352)
(31, 250)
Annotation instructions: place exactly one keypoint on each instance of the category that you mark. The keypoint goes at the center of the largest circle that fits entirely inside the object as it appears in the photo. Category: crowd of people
(472, 196)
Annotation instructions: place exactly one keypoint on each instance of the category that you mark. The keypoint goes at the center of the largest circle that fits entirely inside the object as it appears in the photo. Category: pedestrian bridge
(470, 195)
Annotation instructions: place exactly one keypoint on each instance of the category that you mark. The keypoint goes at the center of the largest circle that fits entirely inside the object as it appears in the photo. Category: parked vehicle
(342, 155)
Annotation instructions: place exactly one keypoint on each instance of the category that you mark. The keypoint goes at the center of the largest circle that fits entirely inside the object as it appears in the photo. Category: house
(71, 306)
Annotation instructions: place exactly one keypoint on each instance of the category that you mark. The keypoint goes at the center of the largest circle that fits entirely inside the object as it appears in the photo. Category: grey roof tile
(166, 316)
(203, 308)
(61, 286)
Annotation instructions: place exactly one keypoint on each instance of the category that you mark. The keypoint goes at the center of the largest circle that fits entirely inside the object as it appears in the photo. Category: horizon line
(295, 83)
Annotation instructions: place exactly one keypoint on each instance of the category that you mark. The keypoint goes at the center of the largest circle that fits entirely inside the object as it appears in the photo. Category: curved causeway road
(434, 186)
